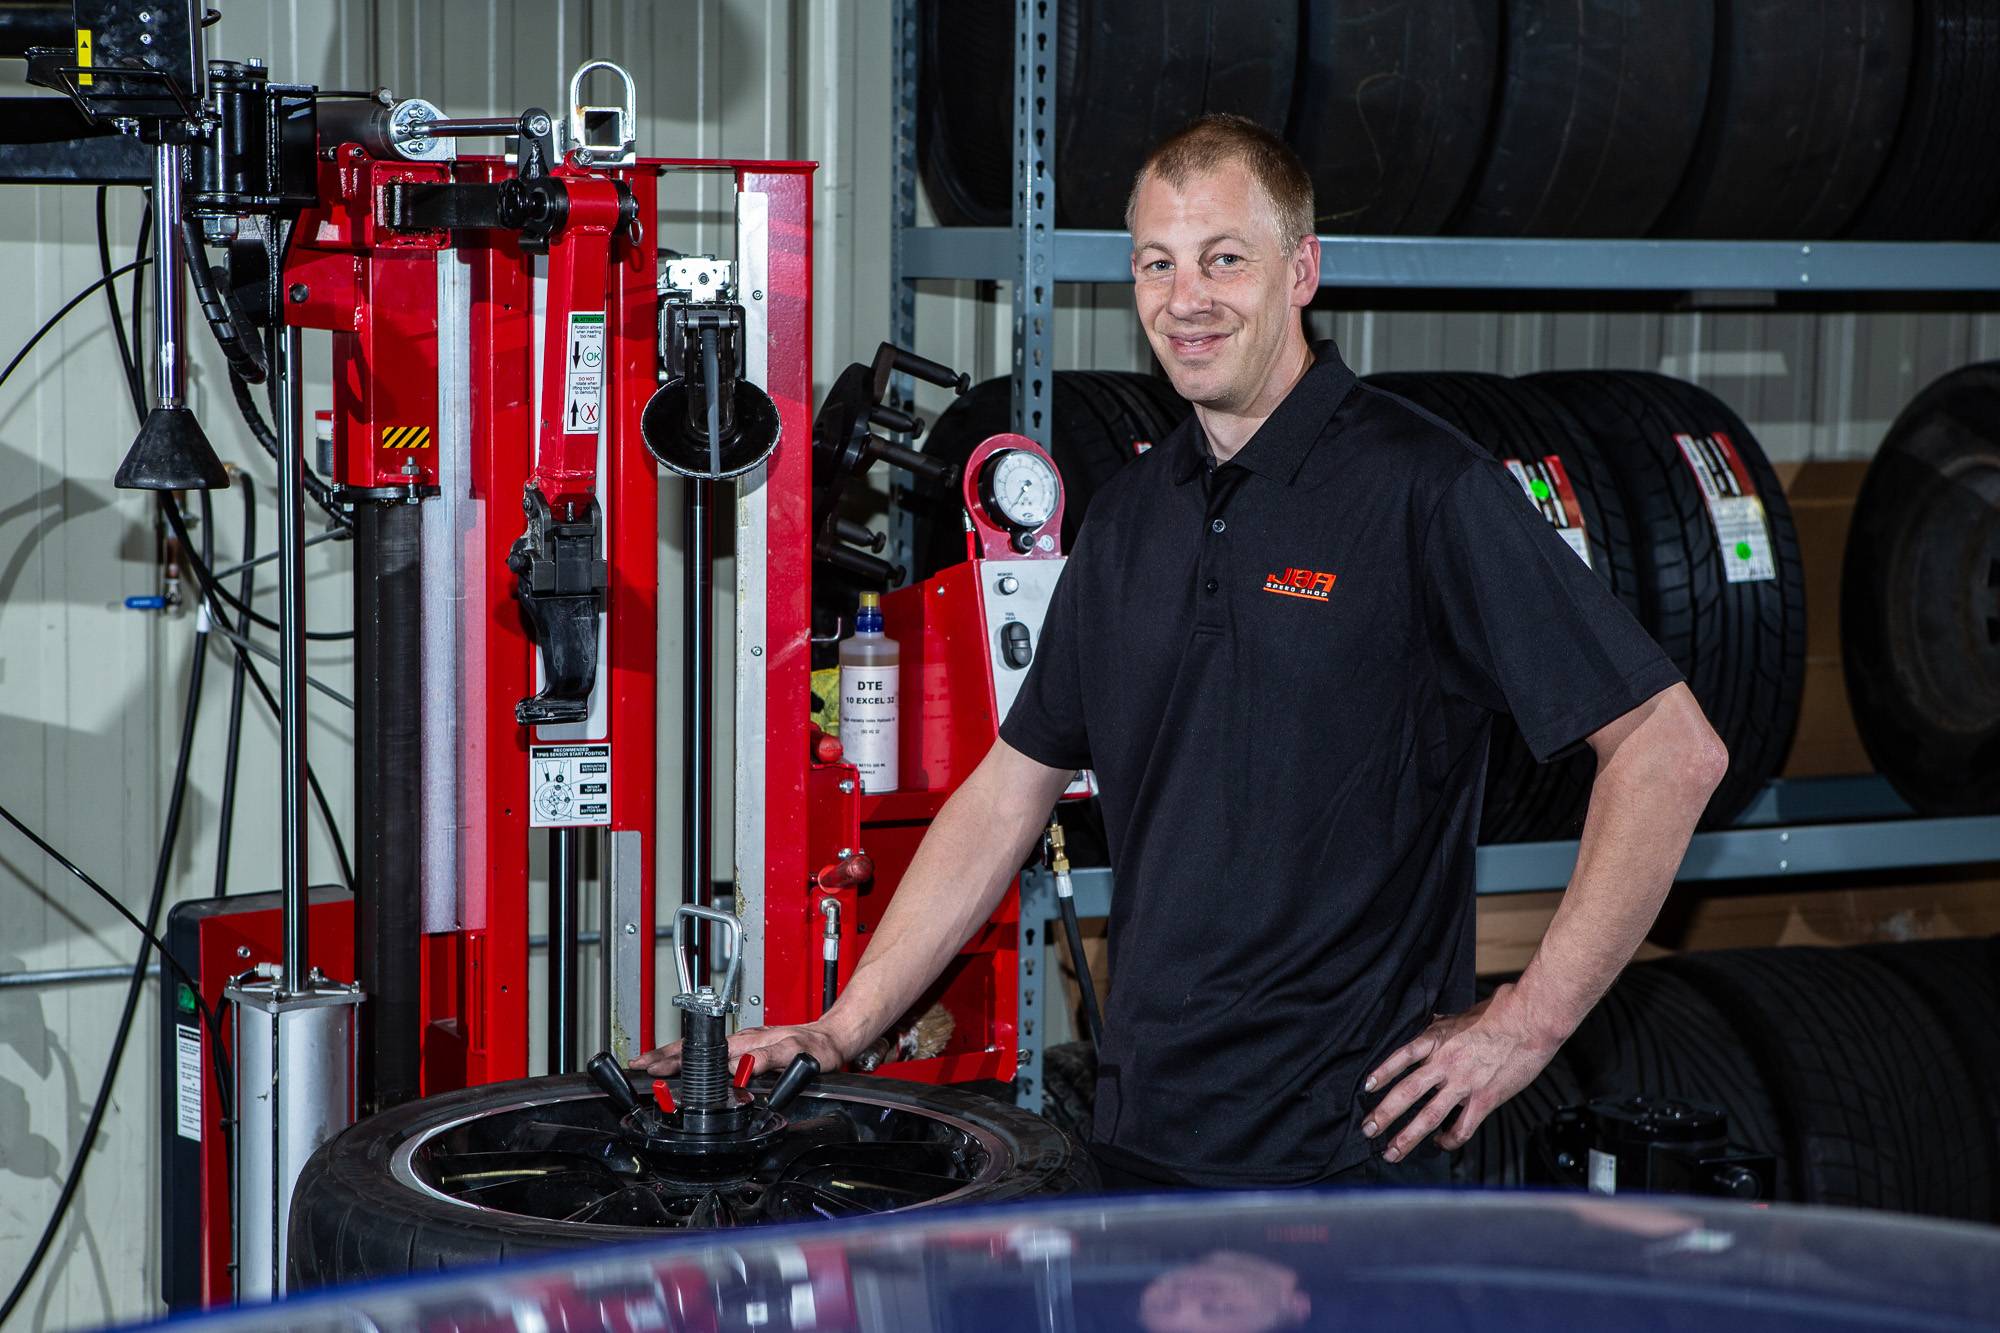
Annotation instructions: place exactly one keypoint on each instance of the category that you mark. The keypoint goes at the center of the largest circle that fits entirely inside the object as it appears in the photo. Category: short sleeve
(1046, 721)
(1520, 625)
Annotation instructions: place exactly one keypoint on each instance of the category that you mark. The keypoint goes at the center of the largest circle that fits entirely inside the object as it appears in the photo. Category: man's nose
(1190, 295)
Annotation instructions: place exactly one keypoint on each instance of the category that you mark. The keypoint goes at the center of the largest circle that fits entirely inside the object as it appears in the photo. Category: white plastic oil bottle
(869, 691)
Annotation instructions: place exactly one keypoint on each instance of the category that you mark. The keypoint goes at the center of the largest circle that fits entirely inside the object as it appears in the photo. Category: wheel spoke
(628, 1206)
(887, 1185)
(795, 1201)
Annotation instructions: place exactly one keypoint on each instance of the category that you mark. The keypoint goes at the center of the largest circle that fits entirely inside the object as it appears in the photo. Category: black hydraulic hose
(162, 871)
(1074, 934)
(232, 751)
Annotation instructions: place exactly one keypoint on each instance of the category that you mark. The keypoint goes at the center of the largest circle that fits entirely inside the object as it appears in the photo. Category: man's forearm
(1649, 794)
(960, 871)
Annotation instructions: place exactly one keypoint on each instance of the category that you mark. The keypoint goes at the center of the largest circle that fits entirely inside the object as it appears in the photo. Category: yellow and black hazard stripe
(406, 437)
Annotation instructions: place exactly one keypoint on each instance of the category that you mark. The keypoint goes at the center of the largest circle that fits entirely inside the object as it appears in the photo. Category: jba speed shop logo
(1311, 584)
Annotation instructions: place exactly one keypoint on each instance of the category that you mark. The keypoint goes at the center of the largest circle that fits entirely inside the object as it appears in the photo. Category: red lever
(858, 868)
(744, 1067)
(663, 1096)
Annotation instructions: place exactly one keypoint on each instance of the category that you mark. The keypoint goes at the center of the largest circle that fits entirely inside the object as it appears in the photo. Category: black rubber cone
(171, 454)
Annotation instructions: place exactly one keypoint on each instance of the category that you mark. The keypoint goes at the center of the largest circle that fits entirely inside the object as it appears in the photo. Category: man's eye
(1157, 266)
(1226, 261)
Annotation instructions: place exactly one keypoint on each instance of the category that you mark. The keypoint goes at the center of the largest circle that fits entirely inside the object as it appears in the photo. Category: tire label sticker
(1603, 1173)
(187, 1081)
(1741, 532)
(569, 786)
(1546, 483)
(583, 374)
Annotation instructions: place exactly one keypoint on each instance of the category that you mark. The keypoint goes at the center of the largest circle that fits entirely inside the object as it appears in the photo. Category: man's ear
(1305, 270)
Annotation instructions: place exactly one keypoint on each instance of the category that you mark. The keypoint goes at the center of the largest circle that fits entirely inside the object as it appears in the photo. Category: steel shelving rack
(1795, 828)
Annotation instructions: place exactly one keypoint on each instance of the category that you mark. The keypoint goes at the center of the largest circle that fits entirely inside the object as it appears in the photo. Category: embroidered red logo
(1310, 584)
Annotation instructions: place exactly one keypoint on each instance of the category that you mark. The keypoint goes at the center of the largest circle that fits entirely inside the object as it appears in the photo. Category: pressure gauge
(1020, 488)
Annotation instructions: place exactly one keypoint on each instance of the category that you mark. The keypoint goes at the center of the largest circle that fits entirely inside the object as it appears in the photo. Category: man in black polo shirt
(1280, 642)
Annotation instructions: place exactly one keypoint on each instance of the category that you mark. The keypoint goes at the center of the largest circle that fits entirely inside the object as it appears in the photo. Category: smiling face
(1219, 291)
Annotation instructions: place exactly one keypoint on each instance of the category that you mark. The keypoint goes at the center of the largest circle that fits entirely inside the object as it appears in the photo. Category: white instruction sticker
(583, 374)
(1546, 484)
(187, 1081)
(569, 785)
(1603, 1173)
(1741, 532)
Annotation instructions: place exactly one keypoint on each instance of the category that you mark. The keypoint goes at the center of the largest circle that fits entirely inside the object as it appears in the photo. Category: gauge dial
(1021, 488)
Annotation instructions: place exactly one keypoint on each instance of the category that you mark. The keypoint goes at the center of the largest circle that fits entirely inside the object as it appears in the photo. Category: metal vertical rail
(168, 310)
(903, 291)
(292, 655)
(697, 703)
(1034, 214)
(565, 874)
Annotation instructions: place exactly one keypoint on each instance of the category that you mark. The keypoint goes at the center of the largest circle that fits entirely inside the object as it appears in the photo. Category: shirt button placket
(1212, 565)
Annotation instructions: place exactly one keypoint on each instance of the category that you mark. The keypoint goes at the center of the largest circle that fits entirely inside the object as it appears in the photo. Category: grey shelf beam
(1473, 263)
(1775, 852)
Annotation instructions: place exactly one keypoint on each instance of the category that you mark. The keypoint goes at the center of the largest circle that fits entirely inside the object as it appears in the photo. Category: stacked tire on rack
(1665, 493)
(1753, 119)
(1869, 1073)
(1920, 599)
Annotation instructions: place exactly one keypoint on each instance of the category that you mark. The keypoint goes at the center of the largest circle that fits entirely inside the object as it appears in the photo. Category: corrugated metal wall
(90, 693)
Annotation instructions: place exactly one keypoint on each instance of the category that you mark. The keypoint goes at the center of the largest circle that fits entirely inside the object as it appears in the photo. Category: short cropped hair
(1212, 141)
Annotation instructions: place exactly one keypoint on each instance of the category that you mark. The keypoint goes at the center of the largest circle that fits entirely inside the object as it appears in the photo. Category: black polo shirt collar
(1279, 448)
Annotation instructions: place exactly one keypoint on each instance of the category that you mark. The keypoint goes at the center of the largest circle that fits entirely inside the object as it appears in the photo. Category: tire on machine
(1740, 645)
(1522, 425)
(1920, 598)
(356, 1214)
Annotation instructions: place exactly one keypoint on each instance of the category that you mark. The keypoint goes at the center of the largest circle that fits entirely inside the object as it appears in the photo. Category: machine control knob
(1008, 585)
(1015, 646)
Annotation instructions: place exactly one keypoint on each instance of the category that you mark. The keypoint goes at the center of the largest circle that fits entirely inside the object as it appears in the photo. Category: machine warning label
(569, 785)
(583, 374)
(1546, 483)
(1741, 533)
(187, 1081)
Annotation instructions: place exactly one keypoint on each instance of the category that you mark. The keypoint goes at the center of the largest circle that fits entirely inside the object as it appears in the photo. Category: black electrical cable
(132, 380)
(232, 749)
(214, 589)
(321, 494)
(56, 318)
(162, 871)
(137, 371)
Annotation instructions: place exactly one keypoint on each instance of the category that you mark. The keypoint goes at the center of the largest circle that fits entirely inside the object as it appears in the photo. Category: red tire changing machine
(498, 331)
